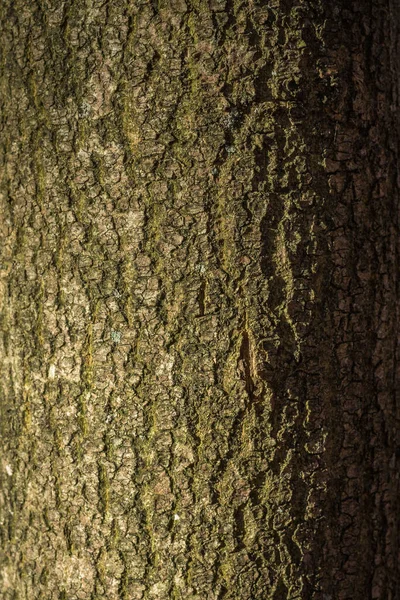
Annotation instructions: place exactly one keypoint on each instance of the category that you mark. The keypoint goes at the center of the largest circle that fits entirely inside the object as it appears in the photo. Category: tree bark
(199, 300)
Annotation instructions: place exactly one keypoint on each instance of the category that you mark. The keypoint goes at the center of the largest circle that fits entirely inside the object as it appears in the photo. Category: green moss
(99, 171)
(148, 511)
(87, 370)
(101, 566)
(123, 586)
(83, 133)
(128, 274)
(82, 416)
(59, 259)
(39, 322)
(115, 536)
(57, 492)
(104, 490)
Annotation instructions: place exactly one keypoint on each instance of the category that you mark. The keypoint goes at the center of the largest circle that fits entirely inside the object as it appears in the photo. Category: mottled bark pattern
(199, 297)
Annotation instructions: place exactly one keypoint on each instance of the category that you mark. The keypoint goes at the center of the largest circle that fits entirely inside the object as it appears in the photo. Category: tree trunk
(199, 297)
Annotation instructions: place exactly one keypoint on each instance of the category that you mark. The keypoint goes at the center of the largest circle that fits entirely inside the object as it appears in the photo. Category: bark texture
(199, 300)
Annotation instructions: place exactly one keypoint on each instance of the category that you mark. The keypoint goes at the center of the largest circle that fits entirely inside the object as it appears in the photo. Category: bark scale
(199, 299)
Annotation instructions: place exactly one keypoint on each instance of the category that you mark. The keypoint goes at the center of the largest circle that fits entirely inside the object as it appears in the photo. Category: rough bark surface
(199, 300)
